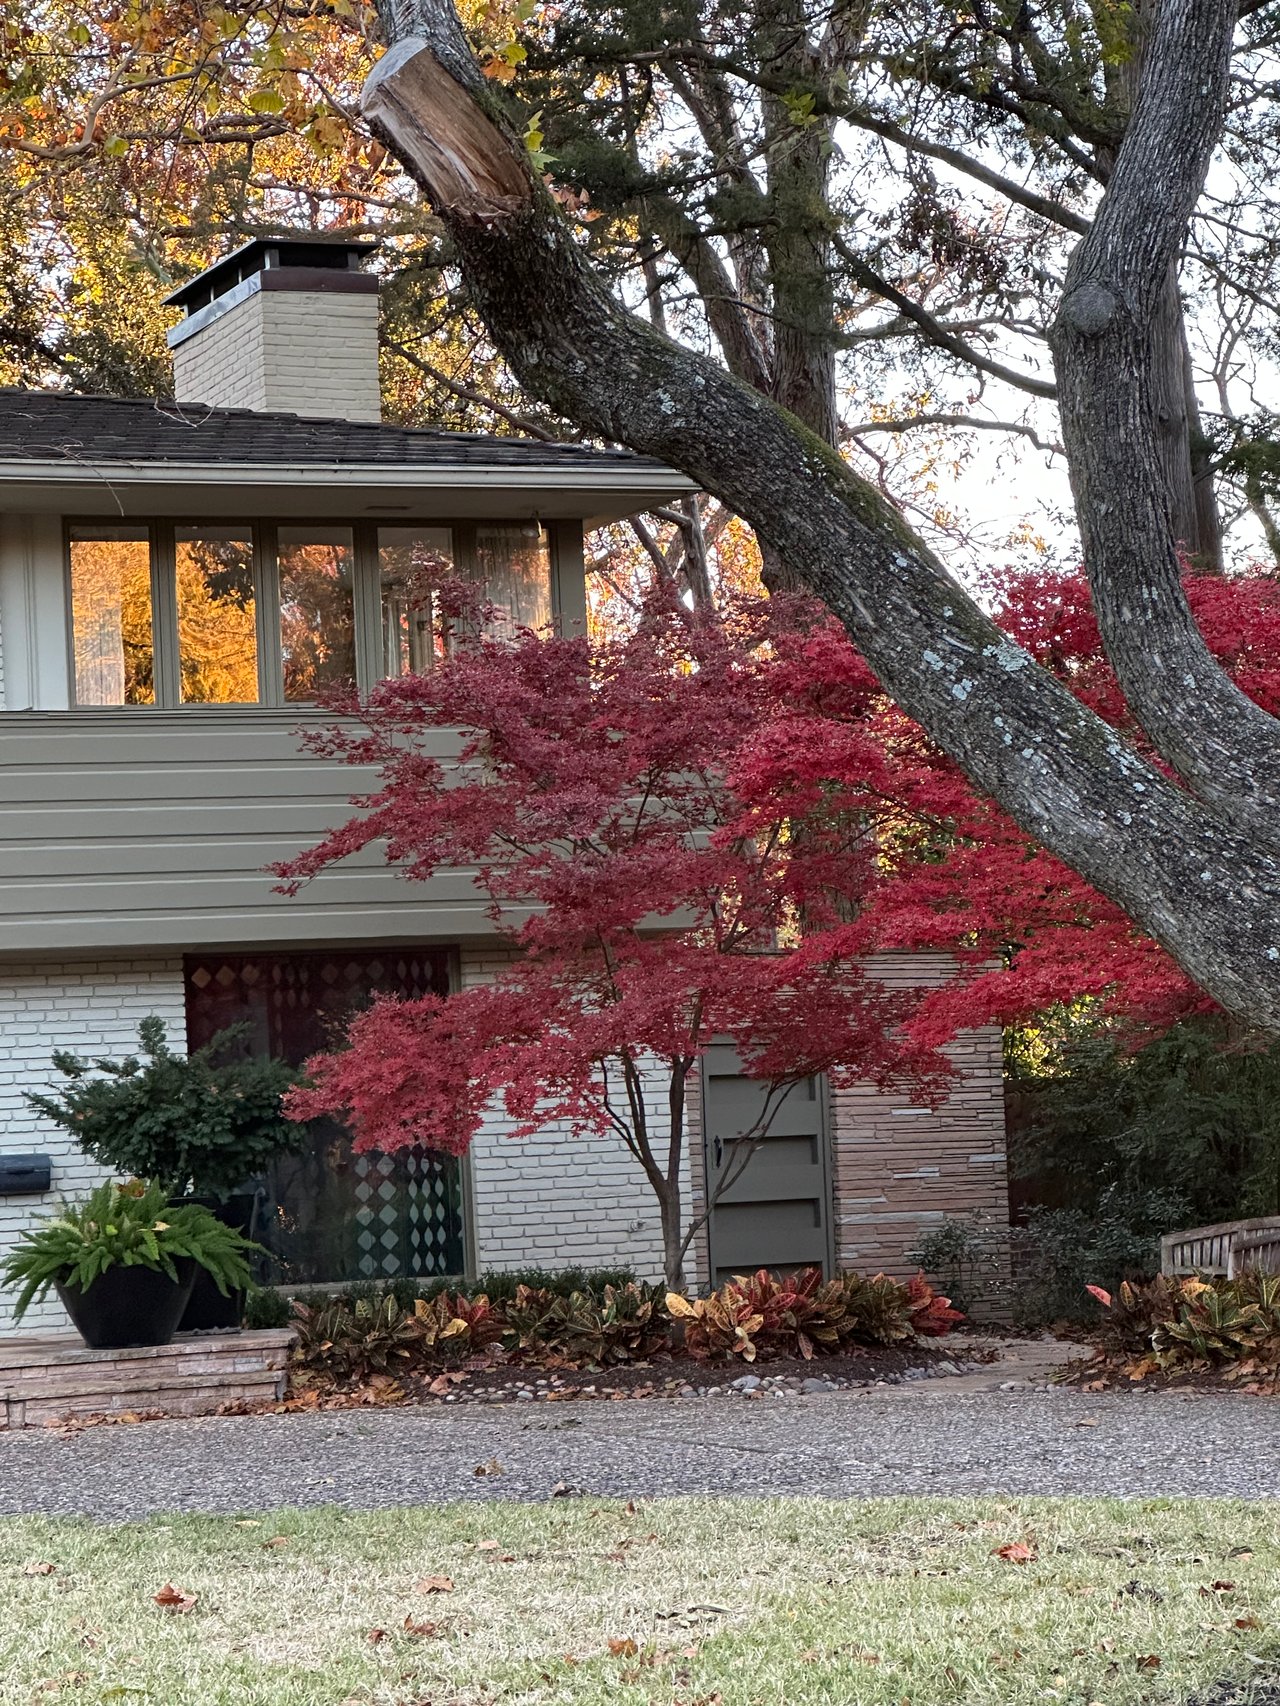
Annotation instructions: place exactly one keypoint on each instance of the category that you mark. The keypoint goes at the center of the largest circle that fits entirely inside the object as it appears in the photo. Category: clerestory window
(266, 613)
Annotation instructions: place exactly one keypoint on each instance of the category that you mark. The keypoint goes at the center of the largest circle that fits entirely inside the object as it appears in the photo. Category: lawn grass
(705, 1601)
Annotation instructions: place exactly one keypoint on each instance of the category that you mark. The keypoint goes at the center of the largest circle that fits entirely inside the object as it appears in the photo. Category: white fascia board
(659, 483)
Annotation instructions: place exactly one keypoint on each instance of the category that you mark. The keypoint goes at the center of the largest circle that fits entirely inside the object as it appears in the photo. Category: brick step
(192, 1401)
(48, 1376)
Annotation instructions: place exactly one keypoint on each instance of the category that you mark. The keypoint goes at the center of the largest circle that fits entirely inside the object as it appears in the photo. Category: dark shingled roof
(59, 426)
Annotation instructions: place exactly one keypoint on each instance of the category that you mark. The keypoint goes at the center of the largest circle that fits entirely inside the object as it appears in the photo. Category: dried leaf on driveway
(492, 1467)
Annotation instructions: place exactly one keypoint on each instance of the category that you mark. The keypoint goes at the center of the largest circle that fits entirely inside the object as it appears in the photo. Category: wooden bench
(1225, 1250)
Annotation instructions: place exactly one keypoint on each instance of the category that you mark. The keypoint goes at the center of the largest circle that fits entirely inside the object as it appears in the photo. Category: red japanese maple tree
(708, 828)
(659, 885)
(1027, 931)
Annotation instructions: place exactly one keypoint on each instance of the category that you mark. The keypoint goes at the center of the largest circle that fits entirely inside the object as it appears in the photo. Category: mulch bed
(1096, 1371)
(669, 1377)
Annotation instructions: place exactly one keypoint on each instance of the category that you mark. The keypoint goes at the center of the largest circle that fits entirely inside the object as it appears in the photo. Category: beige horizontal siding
(127, 828)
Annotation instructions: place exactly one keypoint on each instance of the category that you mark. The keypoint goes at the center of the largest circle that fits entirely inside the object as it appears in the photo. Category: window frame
(563, 540)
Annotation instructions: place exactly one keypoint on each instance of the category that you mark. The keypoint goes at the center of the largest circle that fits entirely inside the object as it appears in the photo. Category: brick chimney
(284, 326)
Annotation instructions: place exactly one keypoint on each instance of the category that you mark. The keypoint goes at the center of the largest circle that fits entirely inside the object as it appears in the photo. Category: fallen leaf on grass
(624, 1648)
(435, 1584)
(420, 1631)
(1218, 1587)
(38, 1569)
(1149, 1661)
(1015, 1552)
(1249, 1622)
(275, 1543)
(171, 1598)
(375, 1636)
(492, 1467)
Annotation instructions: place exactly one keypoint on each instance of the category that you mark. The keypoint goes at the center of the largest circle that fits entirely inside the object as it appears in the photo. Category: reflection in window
(317, 611)
(111, 616)
(410, 560)
(513, 564)
(217, 618)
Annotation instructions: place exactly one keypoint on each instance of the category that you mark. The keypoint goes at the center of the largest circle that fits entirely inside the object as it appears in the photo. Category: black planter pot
(129, 1306)
(207, 1310)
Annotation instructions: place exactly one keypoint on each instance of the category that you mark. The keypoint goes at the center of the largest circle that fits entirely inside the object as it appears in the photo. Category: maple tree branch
(971, 167)
(933, 329)
(909, 423)
(469, 394)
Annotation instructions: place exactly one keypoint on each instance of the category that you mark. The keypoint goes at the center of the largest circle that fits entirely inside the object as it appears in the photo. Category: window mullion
(368, 608)
(167, 663)
(270, 660)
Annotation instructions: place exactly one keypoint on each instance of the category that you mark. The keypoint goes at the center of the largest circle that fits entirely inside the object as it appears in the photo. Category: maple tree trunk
(673, 1245)
(1197, 869)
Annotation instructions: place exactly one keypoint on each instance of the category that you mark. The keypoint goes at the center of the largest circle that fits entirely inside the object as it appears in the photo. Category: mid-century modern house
(178, 581)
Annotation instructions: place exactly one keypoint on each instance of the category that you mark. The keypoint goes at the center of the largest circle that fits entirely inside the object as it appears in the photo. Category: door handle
(719, 1152)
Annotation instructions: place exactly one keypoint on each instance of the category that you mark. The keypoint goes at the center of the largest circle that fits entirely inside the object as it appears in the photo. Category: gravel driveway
(865, 1443)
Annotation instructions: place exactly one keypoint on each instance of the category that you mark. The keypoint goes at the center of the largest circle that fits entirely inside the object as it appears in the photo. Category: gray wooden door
(776, 1212)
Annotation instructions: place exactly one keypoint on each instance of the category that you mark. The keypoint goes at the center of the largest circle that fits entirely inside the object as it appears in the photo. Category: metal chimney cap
(318, 251)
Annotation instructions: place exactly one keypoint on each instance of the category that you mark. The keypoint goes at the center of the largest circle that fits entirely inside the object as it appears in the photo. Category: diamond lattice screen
(330, 1214)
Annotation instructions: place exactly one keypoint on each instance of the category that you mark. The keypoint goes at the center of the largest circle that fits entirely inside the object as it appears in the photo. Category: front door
(774, 1211)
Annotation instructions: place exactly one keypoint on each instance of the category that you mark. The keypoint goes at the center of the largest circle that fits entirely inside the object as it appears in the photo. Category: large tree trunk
(1193, 503)
(1199, 873)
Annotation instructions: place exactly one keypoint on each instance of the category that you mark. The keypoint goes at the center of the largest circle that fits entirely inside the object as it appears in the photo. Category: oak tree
(1192, 856)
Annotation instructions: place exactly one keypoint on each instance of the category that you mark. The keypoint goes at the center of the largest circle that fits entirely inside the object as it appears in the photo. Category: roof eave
(456, 475)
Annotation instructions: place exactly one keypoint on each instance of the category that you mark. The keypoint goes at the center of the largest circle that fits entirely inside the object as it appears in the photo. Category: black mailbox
(24, 1175)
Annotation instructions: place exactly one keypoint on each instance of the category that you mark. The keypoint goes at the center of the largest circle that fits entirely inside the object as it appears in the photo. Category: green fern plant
(130, 1225)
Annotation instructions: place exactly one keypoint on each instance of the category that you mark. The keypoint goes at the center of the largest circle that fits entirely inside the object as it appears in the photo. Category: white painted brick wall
(299, 351)
(556, 1200)
(93, 1007)
(553, 1200)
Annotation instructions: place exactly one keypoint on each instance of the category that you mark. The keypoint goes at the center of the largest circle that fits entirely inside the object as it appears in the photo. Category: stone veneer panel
(901, 1170)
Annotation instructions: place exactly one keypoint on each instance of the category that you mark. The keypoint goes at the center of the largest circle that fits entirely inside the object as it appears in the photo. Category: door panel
(775, 1209)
